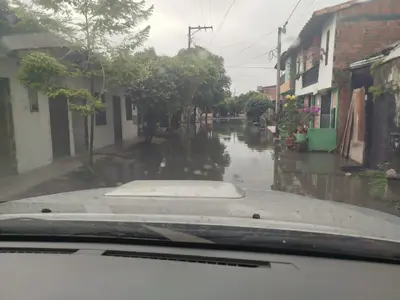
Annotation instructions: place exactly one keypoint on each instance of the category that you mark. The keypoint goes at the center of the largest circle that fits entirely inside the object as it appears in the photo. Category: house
(270, 91)
(35, 131)
(333, 38)
(373, 130)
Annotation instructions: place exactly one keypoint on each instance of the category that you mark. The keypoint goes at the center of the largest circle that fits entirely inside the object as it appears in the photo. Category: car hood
(212, 203)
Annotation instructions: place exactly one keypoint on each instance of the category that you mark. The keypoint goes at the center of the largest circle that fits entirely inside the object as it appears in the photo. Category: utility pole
(192, 30)
(278, 74)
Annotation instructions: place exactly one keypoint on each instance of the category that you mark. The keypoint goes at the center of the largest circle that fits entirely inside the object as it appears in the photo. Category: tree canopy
(90, 37)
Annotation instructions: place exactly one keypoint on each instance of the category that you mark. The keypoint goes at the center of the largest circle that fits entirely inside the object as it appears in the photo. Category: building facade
(333, 38)
(35, 131)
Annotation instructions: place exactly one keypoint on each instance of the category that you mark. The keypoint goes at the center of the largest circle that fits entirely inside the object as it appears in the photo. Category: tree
(212, 91)
(193, 70)
(151, 81)
(91, 35)
(256, 104)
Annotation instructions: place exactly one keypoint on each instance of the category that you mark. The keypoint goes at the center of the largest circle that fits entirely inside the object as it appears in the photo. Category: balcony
(310, 76)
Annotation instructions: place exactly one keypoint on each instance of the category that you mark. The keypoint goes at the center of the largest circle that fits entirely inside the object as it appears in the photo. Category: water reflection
(237, 152)
(200, 156)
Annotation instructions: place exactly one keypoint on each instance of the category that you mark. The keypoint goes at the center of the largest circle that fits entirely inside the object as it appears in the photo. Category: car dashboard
(52, 271)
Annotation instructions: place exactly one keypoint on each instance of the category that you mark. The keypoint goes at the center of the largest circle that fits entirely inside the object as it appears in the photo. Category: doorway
(59, 124)
(325, 110)
(8, 161)
(117, 119)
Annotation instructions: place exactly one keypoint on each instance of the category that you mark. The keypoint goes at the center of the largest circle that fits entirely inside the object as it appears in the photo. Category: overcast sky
(251, 24)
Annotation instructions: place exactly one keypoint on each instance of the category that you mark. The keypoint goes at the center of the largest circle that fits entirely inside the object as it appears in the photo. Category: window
(298, 65)
(33, 100)
(128, 108)
(327, 47)
(101, 114)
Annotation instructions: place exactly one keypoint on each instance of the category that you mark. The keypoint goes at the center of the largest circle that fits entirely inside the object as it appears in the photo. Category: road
(233, 151)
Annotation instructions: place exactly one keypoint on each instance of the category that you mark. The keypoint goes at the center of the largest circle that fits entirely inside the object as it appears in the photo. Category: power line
(256, 42)
(305, 14)
(247, 41)
(222, 22)
(271, 53)
(291, 14)
(202, 10)
(250, 67)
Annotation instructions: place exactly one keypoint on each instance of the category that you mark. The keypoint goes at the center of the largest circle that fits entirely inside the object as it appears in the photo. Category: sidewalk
(20, 183)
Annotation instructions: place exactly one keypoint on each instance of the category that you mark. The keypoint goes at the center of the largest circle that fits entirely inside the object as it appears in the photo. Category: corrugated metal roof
(394, 54)
(387, 53)
(32, 41)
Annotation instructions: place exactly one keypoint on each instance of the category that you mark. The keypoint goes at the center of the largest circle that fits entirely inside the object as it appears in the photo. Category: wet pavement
(236, 152)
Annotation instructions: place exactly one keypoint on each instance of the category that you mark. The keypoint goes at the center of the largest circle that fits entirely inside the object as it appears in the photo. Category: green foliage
(40, 71)
(295, 114)
(212, 91)
(375, 91)
(375, 66)
(166, 84)
(256, 104)
(95, 22)
(44, 73)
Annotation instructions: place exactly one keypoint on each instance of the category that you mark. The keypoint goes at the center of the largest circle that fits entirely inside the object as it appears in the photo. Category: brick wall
(365, 29)
(362, 30)
(270, 91)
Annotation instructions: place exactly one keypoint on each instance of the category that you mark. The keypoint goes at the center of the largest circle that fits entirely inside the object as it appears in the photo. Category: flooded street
(236, 152)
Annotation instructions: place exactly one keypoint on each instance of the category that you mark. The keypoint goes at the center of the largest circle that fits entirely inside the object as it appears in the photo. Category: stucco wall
(104, 134)
(129, 128)
(31, 129)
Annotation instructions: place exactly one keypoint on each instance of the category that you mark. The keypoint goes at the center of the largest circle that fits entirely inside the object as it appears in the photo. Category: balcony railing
(310, 76)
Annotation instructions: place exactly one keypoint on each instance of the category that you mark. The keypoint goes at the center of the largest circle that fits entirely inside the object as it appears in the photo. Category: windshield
(153, 108)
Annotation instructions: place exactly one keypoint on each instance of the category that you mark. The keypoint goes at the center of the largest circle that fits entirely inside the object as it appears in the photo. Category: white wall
(325, 71)
(31, 129)
(104, 134)
(74, 83)
(129, 129)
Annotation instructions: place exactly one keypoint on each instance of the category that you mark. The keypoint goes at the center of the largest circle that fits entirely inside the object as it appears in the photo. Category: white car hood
(211, 203)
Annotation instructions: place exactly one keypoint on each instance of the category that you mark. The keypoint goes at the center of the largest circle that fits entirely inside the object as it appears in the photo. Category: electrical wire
(272, 53)
(250, 67)
(291, 14)
(306, 13)
(202, 11)
(256, 42)
(222, 22)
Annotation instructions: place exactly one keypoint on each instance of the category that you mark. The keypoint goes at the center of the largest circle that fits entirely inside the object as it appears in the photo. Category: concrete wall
(104, 134)
(31, 129)
(325, 71)
(129, 127)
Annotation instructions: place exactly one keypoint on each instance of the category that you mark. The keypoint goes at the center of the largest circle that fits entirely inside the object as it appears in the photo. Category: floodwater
(237, 152)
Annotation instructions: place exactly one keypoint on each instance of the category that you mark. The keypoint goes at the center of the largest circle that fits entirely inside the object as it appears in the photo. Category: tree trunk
(91, 135)
(194, 114)
(206, 114)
